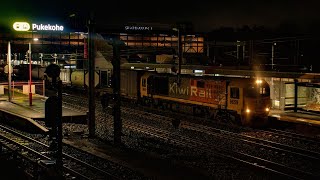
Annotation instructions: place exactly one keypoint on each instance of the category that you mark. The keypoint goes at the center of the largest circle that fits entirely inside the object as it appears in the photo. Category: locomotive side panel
(208, 91)
(181, 91)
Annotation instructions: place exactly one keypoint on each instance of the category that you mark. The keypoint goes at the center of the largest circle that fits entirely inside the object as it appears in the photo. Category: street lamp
(30, 73)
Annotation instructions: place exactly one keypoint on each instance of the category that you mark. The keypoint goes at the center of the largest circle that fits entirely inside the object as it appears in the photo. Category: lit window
(234, 93)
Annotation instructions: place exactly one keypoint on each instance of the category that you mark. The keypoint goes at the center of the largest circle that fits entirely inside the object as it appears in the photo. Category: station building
(58, 43)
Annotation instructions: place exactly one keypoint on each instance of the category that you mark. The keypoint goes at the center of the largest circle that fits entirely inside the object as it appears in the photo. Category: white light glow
(198, 71)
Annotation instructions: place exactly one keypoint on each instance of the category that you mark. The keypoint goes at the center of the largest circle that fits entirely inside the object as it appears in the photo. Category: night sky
(205, 15)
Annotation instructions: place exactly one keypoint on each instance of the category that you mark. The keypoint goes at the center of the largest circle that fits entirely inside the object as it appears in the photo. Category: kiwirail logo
(24, 26)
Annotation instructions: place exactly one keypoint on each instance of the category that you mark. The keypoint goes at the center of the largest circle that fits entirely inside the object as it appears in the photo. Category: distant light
(198, 71)
(69, 67)
(132, 67)
(35, 39)
(147, 67)
(248, 110)
(301, 119)
(259, 81)
(267, 109)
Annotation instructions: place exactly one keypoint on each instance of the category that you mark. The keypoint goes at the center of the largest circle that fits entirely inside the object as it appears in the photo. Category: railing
(21, 88)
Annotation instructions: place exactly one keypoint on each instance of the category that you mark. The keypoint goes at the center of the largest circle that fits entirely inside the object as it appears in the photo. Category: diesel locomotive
(239, 100)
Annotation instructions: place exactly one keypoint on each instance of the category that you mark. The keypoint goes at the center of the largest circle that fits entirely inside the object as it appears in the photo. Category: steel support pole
(295, 95)
(59, 126)
(91, 69)
(30, 76)
(179, 54)
(272, 55)
(9, 71)
(116, 92)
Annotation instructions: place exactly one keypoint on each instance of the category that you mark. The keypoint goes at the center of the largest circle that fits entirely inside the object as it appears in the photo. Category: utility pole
(91, 68)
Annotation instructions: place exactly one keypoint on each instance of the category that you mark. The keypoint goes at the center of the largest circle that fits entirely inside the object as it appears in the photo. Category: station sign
(24, 26)
(138, 28)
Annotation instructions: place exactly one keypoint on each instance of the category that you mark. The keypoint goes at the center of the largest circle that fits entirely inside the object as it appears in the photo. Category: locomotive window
(160, 85)
(143, 82)
(257, 91)
(264, 91)
(234, 93)
(200, 84)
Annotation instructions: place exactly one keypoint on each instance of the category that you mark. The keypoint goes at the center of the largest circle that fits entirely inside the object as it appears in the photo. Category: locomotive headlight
(247, 110)
(267, 109)
(259, 81)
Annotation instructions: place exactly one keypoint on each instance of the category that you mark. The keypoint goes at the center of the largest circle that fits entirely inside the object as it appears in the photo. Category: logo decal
(21, 26)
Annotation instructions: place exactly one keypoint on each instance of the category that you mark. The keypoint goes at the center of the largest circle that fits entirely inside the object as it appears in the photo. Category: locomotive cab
(249, 100)
(256, 103)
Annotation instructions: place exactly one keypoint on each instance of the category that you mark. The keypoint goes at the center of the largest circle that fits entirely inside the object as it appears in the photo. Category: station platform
(299, 117)
(19, 113)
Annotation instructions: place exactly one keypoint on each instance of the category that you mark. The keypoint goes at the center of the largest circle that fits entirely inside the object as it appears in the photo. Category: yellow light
(267, 109)
(248, 111)
(259, 81)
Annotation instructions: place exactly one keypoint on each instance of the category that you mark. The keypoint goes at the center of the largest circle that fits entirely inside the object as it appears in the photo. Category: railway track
(202, 146)
(74, 167)
(305, 162)
(279, 164)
